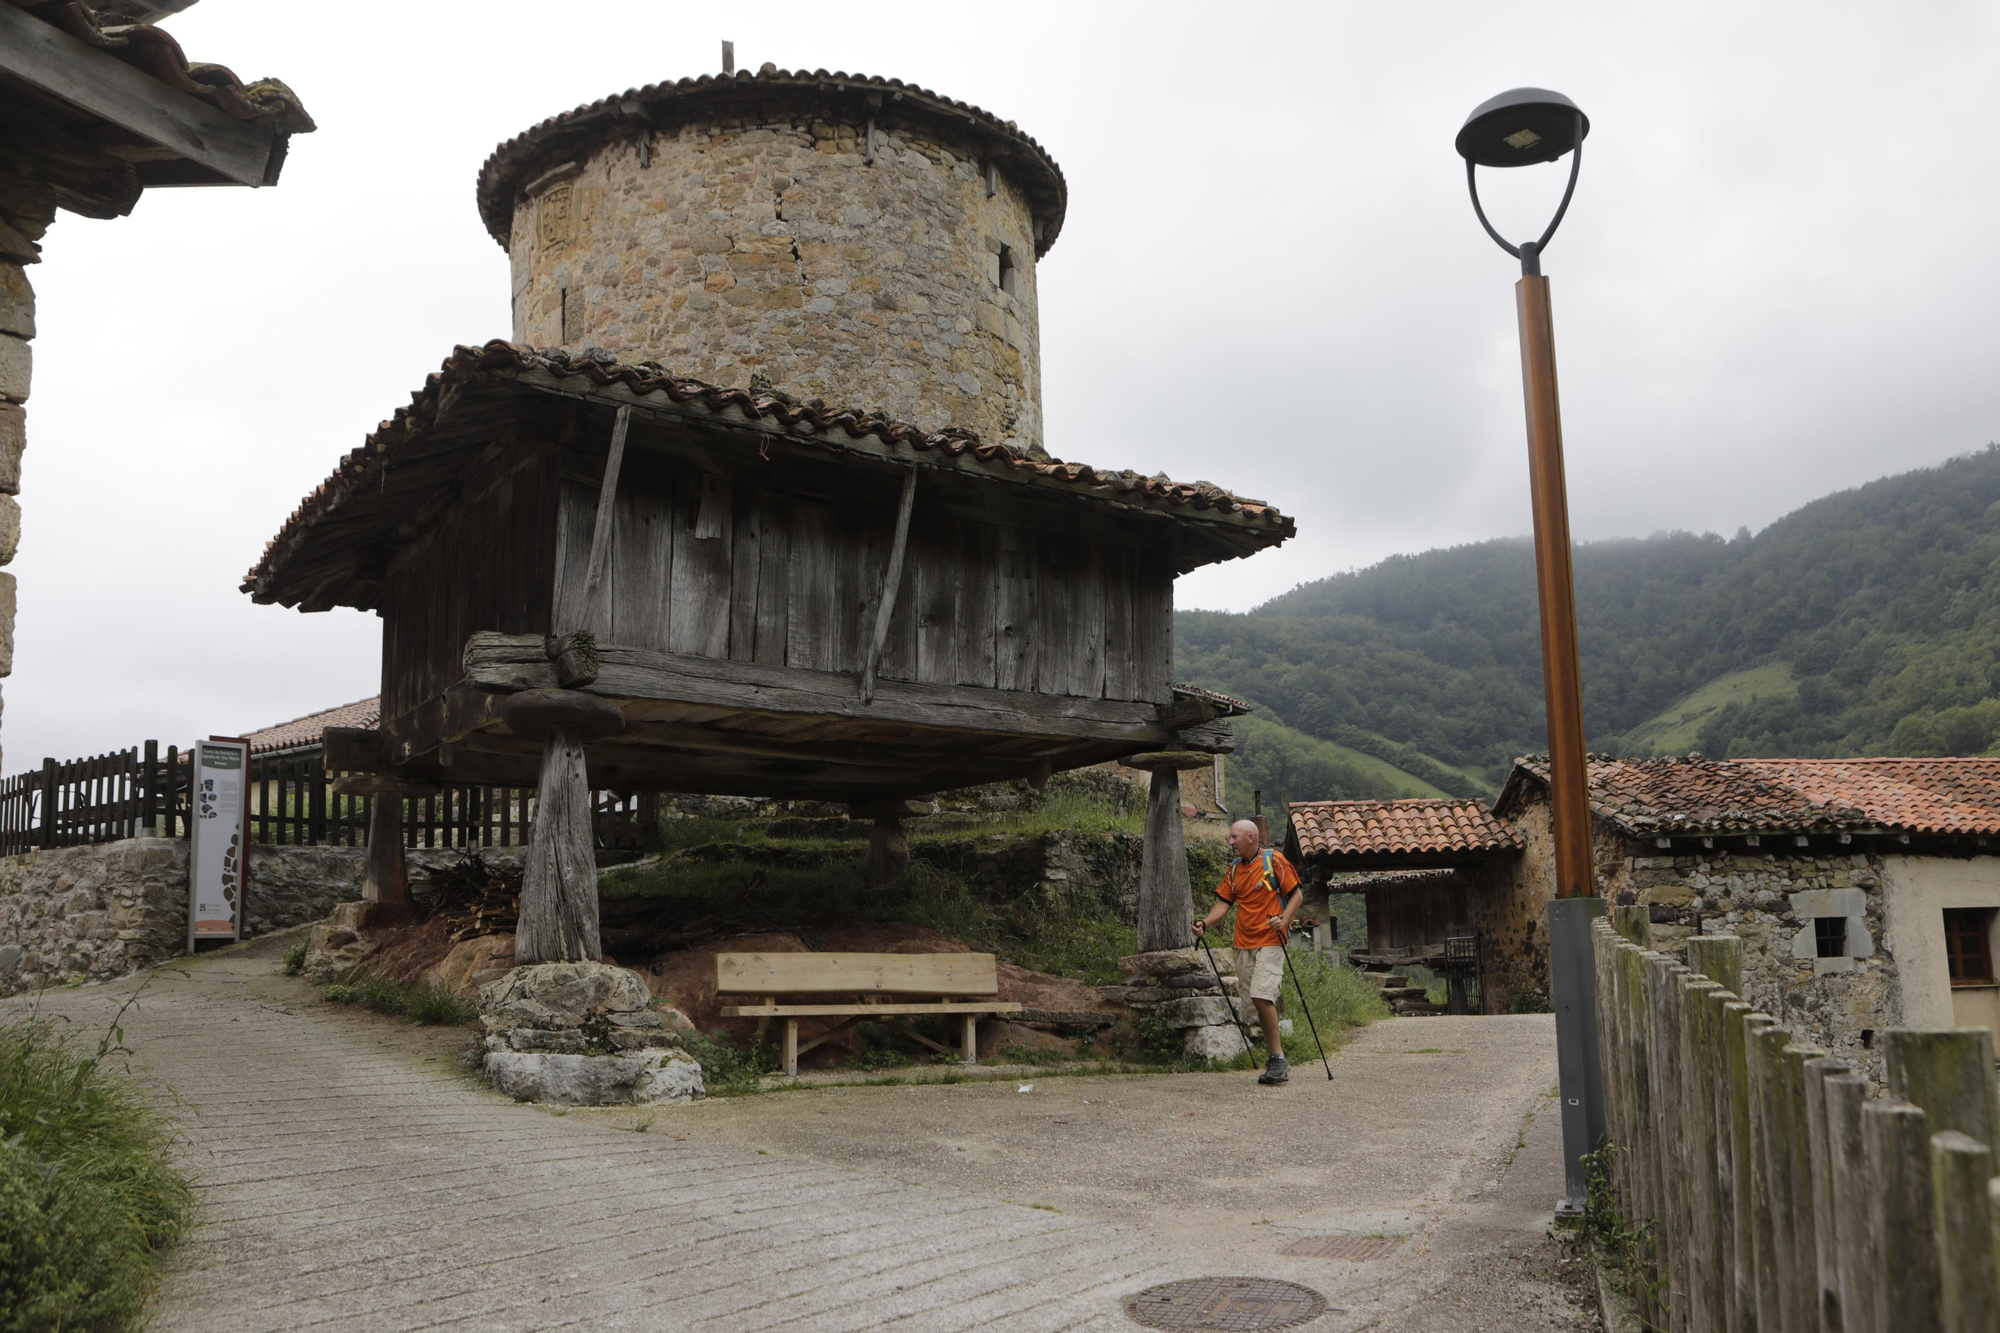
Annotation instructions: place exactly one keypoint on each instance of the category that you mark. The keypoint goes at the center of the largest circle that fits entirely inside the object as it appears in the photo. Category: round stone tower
(854, 239)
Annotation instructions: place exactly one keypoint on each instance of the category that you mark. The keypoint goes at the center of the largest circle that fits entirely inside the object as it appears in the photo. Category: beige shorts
(1262, 972)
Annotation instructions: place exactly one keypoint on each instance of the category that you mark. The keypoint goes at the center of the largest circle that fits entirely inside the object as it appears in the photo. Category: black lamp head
(1521, 127)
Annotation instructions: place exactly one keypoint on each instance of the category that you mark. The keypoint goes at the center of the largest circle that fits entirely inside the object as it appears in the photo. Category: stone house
(97, 106)
(1866, 891)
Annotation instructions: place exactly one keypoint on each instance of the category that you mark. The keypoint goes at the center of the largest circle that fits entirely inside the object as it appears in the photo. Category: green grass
(89, 1201)
(1340, 999)
(295, 959)
(420, 1002)
(1675, 730)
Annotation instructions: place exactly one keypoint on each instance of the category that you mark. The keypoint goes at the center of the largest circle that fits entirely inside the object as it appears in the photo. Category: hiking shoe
(1276, 1071)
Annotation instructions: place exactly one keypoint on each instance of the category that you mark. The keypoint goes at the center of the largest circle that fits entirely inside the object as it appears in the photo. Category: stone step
(1395, 994)
(1387, 979)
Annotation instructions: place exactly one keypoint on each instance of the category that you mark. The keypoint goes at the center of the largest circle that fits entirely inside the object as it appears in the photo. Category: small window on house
(1968, 945)
(1830, 936)
(1007, 280)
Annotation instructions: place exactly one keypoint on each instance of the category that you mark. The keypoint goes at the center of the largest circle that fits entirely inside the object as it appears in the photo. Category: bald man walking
(1265, 891)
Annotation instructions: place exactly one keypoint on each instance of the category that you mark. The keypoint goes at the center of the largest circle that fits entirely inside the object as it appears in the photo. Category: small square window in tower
(1968, 945)
(1830, 936)
(1007, 278)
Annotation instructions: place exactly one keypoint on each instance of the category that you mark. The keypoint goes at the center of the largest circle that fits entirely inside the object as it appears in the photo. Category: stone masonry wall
(1769, 900)
(26, 210)
(765, 243)
(76, 914)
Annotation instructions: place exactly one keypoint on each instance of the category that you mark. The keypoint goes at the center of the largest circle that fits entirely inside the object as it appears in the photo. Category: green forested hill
(1867, 622)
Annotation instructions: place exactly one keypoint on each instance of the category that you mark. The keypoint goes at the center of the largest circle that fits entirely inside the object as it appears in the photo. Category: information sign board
(219, 857)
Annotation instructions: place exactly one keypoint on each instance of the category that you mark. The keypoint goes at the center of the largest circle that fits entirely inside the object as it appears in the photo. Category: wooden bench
(964, 982)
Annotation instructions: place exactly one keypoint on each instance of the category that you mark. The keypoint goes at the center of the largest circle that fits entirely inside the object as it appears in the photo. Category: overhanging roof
(332, 549)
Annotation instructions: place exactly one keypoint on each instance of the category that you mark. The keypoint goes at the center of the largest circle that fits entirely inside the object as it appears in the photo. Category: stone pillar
(26, 210)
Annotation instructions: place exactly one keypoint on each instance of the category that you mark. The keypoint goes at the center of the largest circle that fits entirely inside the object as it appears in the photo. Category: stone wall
(766, 243)
(76, 914)
(26, 210)
(1769, 900)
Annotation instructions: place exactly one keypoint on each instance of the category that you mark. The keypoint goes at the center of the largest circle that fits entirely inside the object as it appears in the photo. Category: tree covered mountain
(1866, 622)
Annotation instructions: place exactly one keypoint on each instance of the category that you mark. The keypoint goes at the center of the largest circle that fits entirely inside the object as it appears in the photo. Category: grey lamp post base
(1573, 979)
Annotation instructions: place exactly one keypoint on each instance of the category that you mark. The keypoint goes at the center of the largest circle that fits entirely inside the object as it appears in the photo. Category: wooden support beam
(246, 152)
(1166, 907)
(385, 876)
(892, 579)
(516, 662)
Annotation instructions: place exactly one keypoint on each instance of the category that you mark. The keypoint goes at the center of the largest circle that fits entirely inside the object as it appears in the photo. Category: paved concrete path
(355, 1178)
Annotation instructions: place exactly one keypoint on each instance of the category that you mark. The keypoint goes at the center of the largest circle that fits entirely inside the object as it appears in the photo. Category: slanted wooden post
(1166, 905)
(888, 848)
(1960, 1169)
(1907, 1295)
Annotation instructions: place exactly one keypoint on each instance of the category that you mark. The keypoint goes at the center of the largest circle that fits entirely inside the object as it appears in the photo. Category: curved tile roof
(311, 729)
(522, 158)
(153, 52)
(1413, 828)
(1691, 795)
(362, 467)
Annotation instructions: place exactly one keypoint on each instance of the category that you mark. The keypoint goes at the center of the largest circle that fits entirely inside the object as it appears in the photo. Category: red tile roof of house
(1413, 829)
(311, 729)
(1660, 797)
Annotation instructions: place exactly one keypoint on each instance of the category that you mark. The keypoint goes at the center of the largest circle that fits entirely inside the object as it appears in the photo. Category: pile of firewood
(473, 899)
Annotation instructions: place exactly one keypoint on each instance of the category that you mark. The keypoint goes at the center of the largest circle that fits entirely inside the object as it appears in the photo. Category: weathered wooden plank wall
(794, 580)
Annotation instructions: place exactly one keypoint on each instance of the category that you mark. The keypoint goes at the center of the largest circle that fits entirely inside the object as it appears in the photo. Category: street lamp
(1518, 129)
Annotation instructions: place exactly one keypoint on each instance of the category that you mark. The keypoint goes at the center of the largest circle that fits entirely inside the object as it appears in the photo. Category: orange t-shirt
(1255, 903)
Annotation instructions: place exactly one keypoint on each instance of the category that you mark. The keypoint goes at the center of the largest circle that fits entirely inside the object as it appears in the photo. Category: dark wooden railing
(127, 793)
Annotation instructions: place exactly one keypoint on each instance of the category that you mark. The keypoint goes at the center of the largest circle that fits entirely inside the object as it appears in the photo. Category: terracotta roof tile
(1431, 827)
(361, 470)
(1659, 797)
(310, 729)
(522, 158)
(151, 51)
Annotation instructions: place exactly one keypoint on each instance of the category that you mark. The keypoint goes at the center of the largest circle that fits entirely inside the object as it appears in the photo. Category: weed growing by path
(1340, 999)
(727, 1069)
(88, 1200)
(420, 1002)
(295, 959)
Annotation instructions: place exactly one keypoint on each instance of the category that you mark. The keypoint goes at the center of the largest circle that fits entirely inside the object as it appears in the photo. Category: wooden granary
(595, 572)
(772, 598)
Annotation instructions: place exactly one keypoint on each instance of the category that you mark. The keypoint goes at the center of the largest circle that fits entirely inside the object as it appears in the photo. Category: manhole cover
(1226, 1303)
(1345, 1247)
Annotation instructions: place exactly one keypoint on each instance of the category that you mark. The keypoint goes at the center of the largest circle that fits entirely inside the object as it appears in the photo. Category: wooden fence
(1782, 1195)
(123, 794)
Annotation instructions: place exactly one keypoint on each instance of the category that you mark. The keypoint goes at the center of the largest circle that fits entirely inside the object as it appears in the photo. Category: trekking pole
(1301, 990)
(1241, 1031)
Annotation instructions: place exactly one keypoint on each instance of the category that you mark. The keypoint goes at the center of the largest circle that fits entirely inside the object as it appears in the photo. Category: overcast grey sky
(1778, 279)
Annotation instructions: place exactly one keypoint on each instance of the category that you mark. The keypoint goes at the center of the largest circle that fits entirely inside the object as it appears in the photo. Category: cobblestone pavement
(355, 1178)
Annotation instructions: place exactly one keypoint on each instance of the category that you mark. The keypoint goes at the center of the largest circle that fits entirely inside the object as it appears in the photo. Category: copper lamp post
(1517, 129)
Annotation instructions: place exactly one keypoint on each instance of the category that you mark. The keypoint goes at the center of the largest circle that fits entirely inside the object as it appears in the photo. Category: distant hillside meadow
(1864, 623)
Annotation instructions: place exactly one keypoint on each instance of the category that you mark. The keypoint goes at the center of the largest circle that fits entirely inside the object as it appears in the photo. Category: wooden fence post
(1899, 1178)
(48, 802)
(1847, 1152)
(1717, 1016)
(1719, 958)
(1634, 923)
(1705, 1309)
(1802, 1295)
(1947, 1074)
(1670, 1233)
(1769, 1171)
(1961, 1168)
(1820, 1163)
